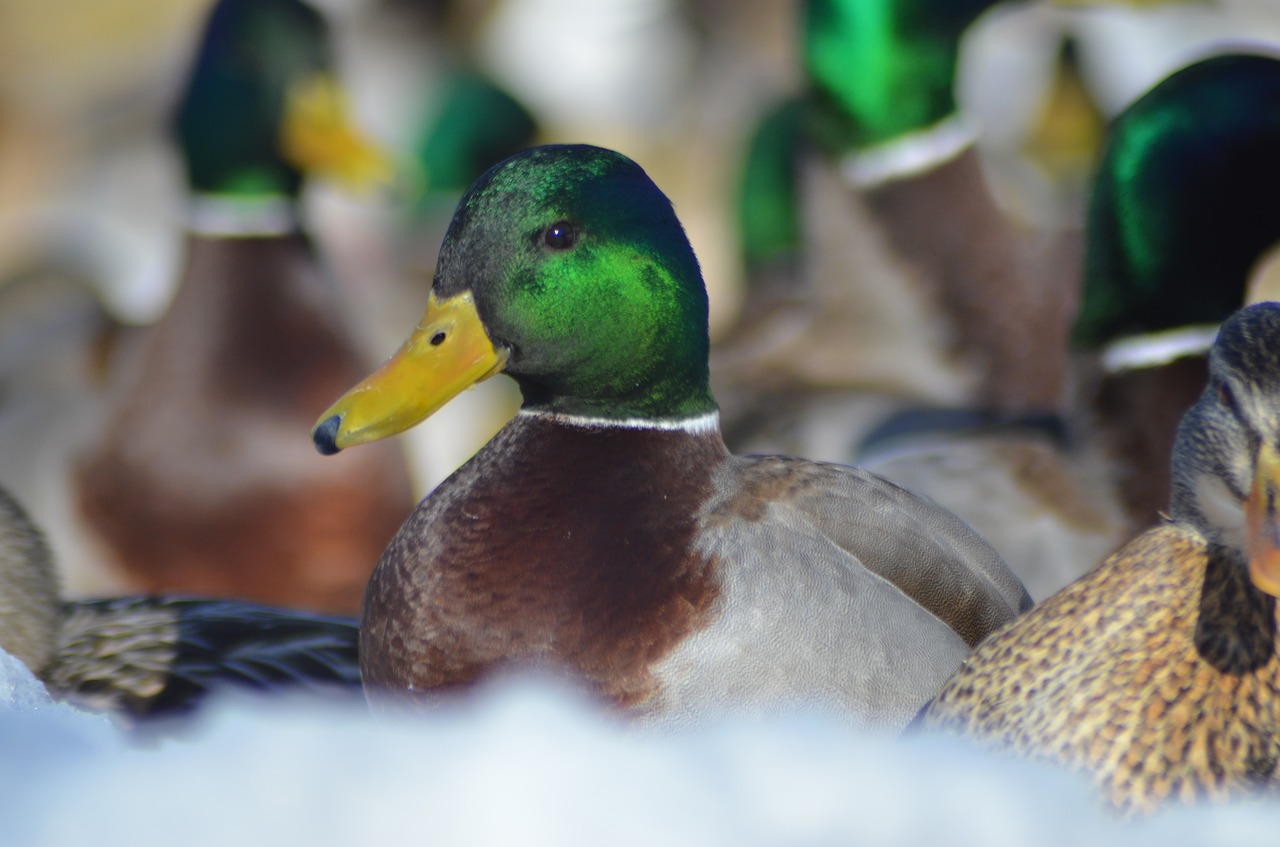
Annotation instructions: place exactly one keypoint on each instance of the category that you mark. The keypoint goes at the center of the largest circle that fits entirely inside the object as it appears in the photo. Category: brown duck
(1158, 673)
(197, 481)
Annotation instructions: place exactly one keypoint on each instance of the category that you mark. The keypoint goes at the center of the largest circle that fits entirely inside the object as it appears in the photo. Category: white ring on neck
(235, 216)
(1153, 349)
(699, 425)
(911, 154)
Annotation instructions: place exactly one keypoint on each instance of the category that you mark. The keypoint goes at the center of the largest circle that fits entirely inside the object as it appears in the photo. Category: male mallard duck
(1158, 672)
(902, 250)
(150, 656)
(606, 529)
(1181, 212)
(195, 482)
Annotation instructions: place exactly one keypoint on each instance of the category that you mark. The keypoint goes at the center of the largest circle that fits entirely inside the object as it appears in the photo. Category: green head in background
(881, 69)
(262, 107)
(1186, 201)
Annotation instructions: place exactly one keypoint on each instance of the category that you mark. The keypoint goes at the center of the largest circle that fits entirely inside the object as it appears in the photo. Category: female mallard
(195, 483)
(606, 529)
(1158, 672)
(1182, 211)
(886, 278)
(149, 656)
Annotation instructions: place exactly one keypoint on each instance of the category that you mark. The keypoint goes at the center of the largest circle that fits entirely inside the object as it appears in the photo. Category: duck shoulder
(911, 542)
(837, 588)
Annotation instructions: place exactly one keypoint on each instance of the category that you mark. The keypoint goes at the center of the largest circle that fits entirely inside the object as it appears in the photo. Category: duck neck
(706, 424)
(242, 215)
(911, 154)
(1236, 626)
(997, 292)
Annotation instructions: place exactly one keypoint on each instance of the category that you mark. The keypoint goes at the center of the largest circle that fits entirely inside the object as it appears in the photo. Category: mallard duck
(606, 529)
(1158, 672)
(886, 303)
(1180, 214)
(144, 657)
(195, 482)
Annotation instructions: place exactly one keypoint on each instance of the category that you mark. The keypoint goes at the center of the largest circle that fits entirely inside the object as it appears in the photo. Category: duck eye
(1227, 398)
(561, 235)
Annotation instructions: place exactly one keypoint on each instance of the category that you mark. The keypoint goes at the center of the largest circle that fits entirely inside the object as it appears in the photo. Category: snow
(528, 762)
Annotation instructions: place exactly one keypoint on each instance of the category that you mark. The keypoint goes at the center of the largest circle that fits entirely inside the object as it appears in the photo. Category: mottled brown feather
(1156, 673)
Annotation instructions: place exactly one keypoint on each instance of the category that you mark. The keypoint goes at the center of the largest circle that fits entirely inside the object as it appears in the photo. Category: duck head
(1226, 460)
(1185, 202)
(565, 267)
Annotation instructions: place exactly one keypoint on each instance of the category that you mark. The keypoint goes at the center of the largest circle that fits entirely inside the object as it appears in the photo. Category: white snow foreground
(527, 762)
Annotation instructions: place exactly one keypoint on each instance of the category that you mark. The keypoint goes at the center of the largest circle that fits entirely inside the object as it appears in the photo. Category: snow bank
(528, 763)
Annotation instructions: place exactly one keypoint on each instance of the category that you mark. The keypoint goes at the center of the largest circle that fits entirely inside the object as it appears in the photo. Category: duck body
(889, 310)
(607, 531)
(669, 600)
(1045, 499)
(1157, 672)
(194, 482)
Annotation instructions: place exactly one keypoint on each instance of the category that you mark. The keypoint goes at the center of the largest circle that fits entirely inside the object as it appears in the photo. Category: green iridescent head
(583, 277)
(1186, 200)
(882, 68)
(229, 122)
(262, 108)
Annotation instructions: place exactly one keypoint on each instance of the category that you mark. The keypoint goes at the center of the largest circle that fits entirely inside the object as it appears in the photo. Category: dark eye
(437, 339)
(561, 235)
(1227, 398)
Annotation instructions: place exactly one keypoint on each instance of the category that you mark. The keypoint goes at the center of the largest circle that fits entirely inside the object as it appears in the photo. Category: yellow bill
(1261, 522)
(448, 352)
(319, 137)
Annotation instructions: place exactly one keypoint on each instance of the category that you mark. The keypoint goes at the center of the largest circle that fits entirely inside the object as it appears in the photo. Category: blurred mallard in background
(1158, 673)
(908, 287)
(197, 480)
(1180, 216)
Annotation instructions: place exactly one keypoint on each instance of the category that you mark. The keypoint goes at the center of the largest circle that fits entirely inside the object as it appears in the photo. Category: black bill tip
(325, 435)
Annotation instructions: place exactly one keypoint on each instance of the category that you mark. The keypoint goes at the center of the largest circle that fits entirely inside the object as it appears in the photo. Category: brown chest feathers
(557, 545)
